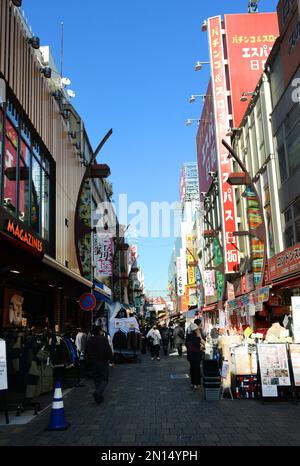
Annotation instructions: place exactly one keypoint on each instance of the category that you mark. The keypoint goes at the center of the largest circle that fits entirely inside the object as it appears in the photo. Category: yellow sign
(191, 275)
(247, 332)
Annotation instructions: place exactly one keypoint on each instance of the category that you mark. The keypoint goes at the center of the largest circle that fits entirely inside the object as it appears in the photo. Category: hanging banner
(219, 92)
(3, 366)
(103, 256)
(209, 282)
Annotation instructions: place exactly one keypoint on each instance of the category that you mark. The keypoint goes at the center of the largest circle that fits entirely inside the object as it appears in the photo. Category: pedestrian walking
(171, 336)
(194, 346)
(165, 335)
(100, 354)
(154, 338)
(179, 337)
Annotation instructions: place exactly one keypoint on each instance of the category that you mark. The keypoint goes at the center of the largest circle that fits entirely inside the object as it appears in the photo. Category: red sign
(222, 123)
(206, 143)
(284, 264)
(250, 39)
(87, 302)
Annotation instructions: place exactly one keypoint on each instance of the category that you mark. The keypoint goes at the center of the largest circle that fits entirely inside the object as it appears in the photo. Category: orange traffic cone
(57, 418)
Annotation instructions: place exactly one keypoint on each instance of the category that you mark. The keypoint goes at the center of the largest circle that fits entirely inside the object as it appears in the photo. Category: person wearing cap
(194, 345)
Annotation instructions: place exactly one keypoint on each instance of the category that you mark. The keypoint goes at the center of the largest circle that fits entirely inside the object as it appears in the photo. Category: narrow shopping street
(152, 403)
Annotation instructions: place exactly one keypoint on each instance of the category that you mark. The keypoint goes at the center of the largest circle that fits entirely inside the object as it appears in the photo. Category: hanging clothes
(119, 340)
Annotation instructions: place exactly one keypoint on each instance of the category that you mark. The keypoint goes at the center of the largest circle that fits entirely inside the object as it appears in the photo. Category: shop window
(281, 154)
(36, 195)
(24, 184)
(10, 168)
(293, 148)
(289, 236)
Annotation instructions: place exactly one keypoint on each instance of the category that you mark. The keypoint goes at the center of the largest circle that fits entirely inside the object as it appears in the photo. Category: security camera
(203, 193)
(211, 174)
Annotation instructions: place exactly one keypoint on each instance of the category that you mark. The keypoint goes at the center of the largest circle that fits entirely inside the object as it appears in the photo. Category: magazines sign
(295, 359)
(219, 91)
(103, 256)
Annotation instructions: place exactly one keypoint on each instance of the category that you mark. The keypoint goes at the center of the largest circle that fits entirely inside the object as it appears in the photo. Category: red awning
(210, 308)
(290, 282)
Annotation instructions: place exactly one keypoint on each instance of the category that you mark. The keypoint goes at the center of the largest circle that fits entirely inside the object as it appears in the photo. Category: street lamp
(199, 65)
(190, 120)
(194, 96)
(230, 131)
(245, 95)
(204, 26)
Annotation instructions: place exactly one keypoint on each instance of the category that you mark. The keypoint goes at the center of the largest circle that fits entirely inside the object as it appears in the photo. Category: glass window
(36, 150)
(281, 154)
(289, 236)
(35, 195)
(24, 190)
(10, 168)
(293, 148)
(13, 114)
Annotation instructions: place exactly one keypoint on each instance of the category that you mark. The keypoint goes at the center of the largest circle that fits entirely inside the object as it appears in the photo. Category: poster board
(296, 317)
(274, 368)
(3, 366)
(295, 360)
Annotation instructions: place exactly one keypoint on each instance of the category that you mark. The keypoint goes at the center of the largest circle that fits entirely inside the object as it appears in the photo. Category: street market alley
(152, 403)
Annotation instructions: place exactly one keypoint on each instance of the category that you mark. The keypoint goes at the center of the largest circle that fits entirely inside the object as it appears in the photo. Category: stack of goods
(211, 379)
(245, 386)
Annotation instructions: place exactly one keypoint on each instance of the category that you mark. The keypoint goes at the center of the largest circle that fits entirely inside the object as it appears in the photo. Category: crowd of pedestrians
(154, 338)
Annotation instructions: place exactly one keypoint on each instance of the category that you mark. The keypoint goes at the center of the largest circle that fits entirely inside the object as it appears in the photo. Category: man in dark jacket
(100, 354)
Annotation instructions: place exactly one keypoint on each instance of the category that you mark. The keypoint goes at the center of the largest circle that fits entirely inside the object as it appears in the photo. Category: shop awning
(47, 260)
(210, 308)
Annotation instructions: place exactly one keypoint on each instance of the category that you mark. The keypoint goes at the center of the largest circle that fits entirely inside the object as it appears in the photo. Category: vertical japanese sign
(103, 255)
(219, 92)
(206, 143)
(250, 39)
(190, 260)
(180, 286)
(209, 282)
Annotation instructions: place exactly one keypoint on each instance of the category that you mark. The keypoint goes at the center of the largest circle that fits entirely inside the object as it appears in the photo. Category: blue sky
(131, 64)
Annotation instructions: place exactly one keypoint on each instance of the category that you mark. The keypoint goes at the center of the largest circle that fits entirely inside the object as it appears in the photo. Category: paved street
(144, 405)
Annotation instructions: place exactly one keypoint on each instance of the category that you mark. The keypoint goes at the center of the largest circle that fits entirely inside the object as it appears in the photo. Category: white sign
(3, 366)
(180, 286)
(274, 369)
(209, 282)
(295, 358)
(269, 390)
(296, 317)
(103, 255)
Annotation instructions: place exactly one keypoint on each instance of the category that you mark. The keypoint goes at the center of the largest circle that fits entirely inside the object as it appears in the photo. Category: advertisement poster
(295, 358)
(3, 366)
(250, 39)
(103, 255)
(296, 317)
(210, 284)
(274, 369)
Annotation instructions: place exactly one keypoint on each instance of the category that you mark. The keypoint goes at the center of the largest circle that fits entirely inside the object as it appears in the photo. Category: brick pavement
(145, 406)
